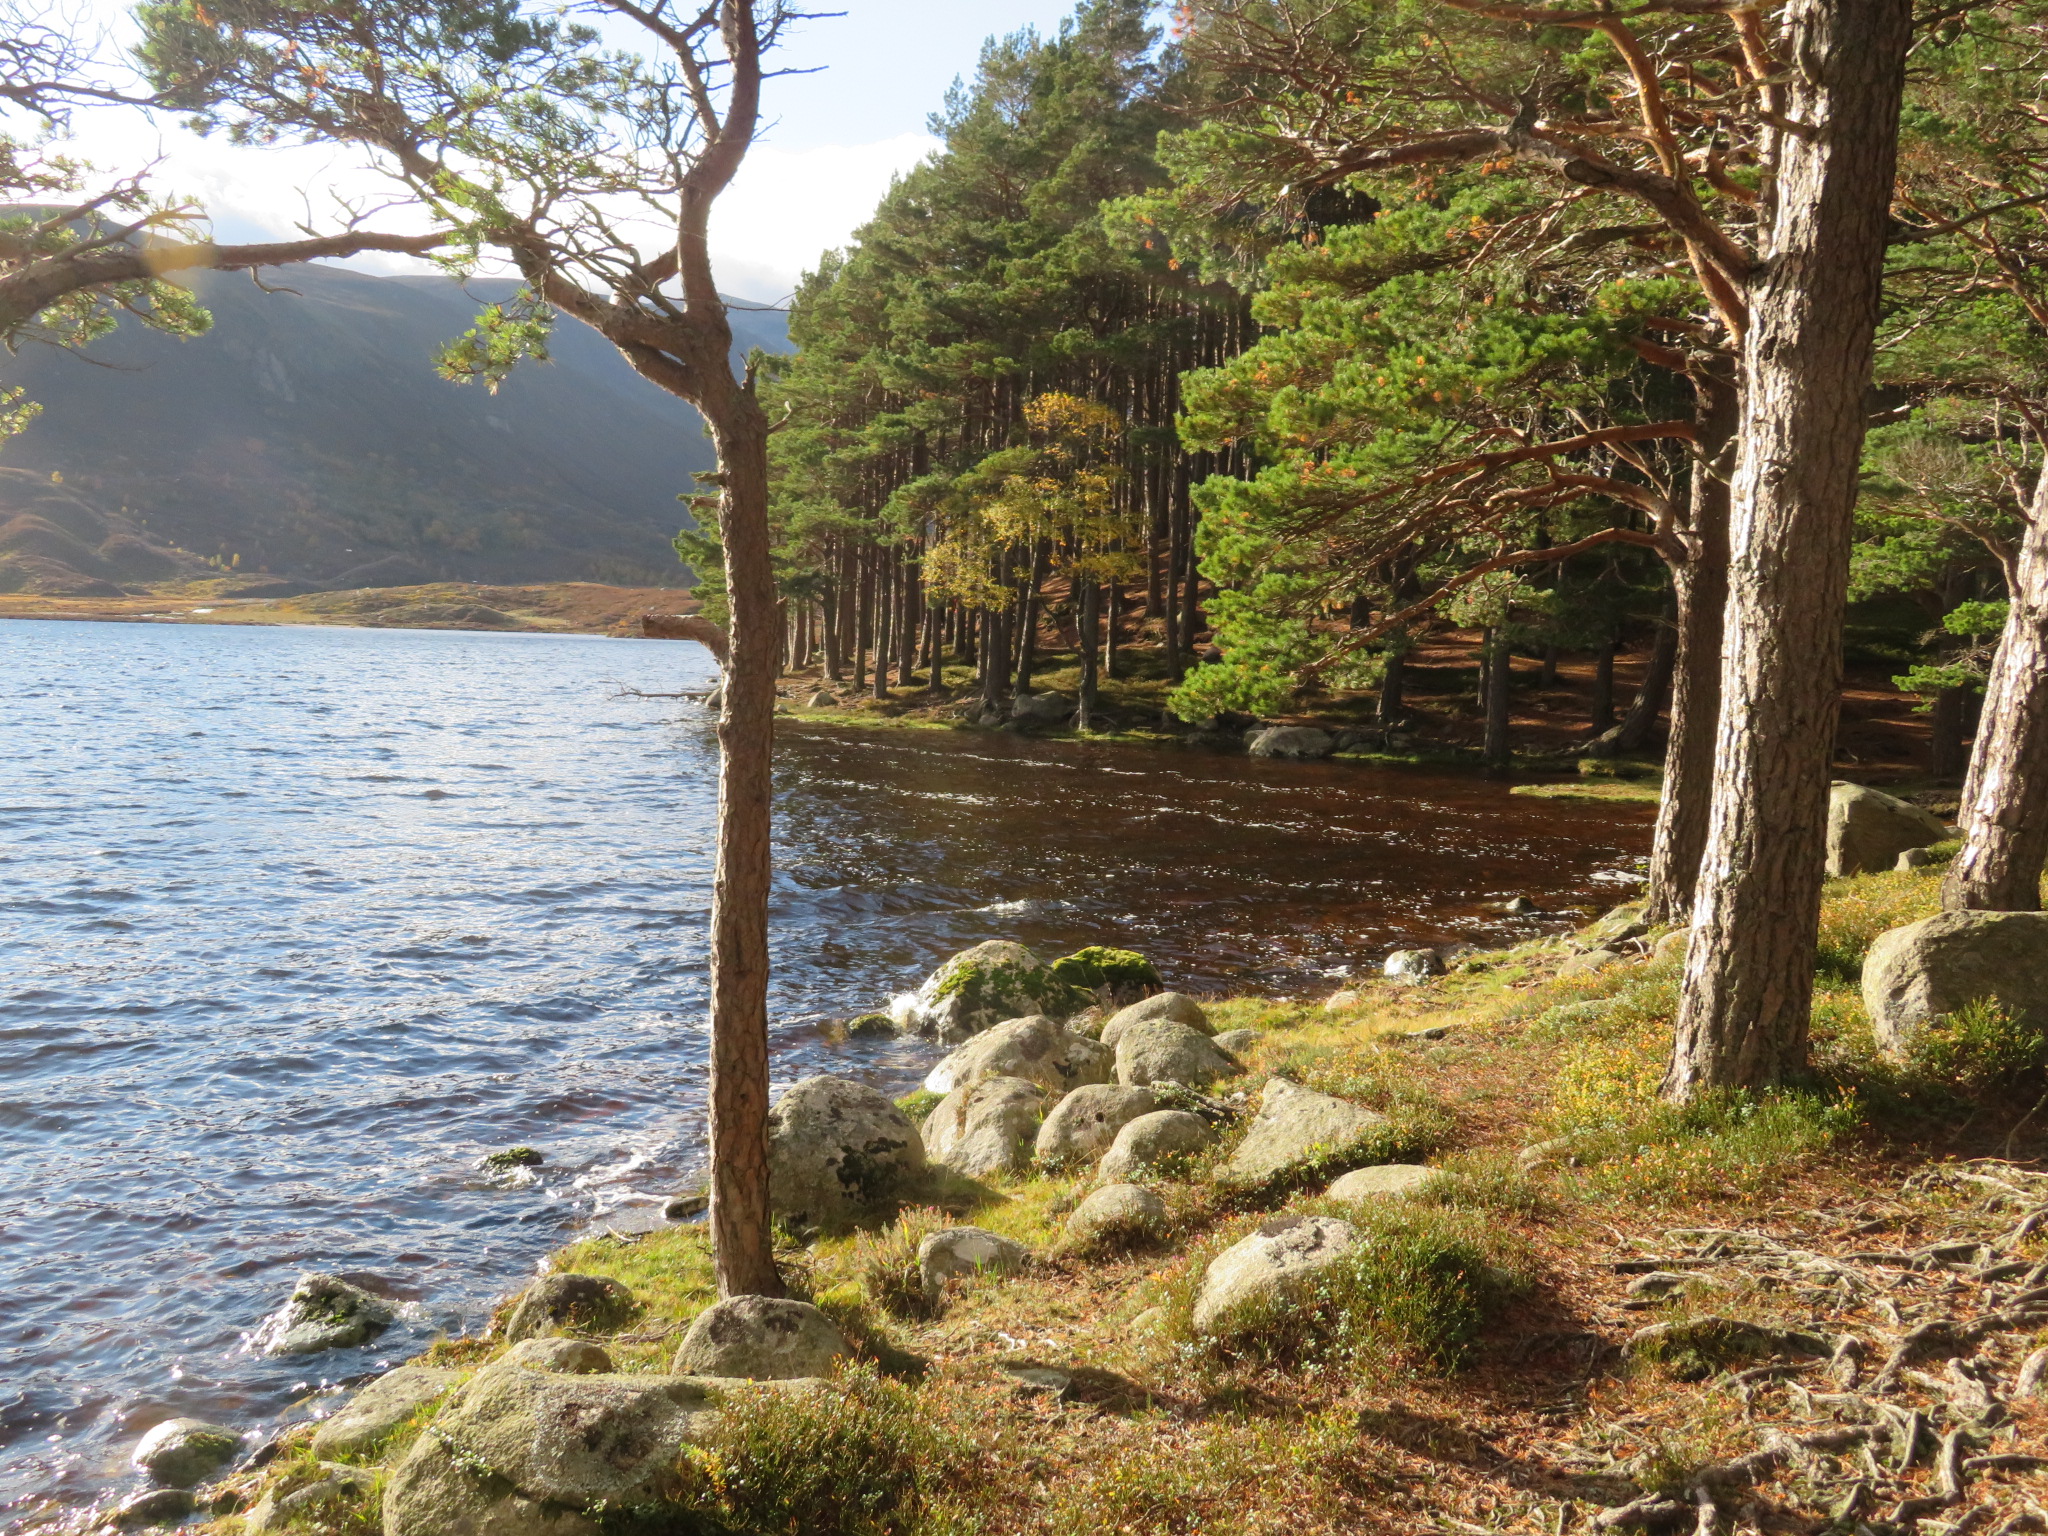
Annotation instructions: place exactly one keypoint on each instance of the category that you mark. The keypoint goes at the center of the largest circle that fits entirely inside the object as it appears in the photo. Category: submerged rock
(985, 1130)
(1917, 973)
(1297, 1128)
(153, 1506)
(1154, 1141)
(761, 1338)
(591, 1303)
(1035, 1049)
(380, 1408)
(1868, 829)
(839, 1152)
(1084, 1123)
(1162, 1051)
(957, 1253)
(981, 987)
(324, 1312)
(1272, 1266)
(1297, 741)
(1175, 1007)
(181, 1452)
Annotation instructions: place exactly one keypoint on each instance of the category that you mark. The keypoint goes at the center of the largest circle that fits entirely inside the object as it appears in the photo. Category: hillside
(309, 434)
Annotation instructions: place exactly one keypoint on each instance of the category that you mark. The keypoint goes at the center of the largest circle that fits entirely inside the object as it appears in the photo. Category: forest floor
(1843, 1283)
(1882, 740)
(560, 607)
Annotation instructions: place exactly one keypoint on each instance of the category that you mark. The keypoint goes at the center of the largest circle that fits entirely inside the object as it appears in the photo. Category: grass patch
(1854, 911)
(1625, 791)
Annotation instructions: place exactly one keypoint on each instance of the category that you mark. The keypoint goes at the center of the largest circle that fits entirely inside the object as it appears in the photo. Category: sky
(835, 139)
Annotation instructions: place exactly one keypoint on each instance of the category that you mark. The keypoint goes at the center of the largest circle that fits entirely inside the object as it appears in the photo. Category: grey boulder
(1916, 973)
(522, 1452)
(368, 1418)
(1174, 1006)
(1409, 966)
(1116, 1213)
(323, 1312)
(1154, 1141)
(1084, 1123)
(1161, 1051)
(1274, 1266)
(981, 987)
(574, 1357)
(1297, 741)
(1297, 1128)
(590, 1302)
(840, 1152)
(181, 1452)
(1361, 1186)
(986, 1130)
(761, 1338)
(966, 1253)
(304, 1495)
(1041, 708)
(1238, 1041)
(1868, 829)
(1035, 1049)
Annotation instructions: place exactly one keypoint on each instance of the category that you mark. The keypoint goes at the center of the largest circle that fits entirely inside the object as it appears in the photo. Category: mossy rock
(1124, 974)
(988, 984)
(515, 1157)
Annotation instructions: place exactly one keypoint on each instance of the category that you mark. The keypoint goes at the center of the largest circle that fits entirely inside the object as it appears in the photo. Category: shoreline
(1078, 1384)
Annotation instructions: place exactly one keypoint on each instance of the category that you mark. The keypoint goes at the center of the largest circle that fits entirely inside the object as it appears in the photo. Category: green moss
(515, 1157)
(919, 1104)
(1100, 966)
(1697, 1348)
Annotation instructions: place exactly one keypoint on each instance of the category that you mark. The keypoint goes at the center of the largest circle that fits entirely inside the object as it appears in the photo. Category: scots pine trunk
(1393, 679)
(742, 1247)
(1498, 669)
(1640, 723)
(1602, 711)
(2005, 800)
(1742, 1018)
(1091, 650)
(1700, 581)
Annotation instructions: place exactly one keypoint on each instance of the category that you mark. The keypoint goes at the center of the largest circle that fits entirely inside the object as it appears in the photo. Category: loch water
(296, 924)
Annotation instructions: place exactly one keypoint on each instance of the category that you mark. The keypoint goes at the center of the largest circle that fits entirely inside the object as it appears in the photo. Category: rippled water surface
(296, 924)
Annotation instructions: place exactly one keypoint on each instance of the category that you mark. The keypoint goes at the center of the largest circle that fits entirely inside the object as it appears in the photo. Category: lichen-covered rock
(521, 1452)
(1868, 829)
(1598, 958)
(1116, 1213)
(588, 1303)
(152, 1506)
(381, 1407)
(965, 1253)
(1342, 1002)
(1116, 976)
(1084, 1123)
(761, 1338)
(1035, 1049)
(1297, 741)
(985, 1130)
(981, 987)
(1388, 1181)
(1614, 927)
(1274, 1265)
(1238, 1041)
(1673, 946)
(576, 1357)
(839, 1153)
(1409, 966)
(1152, 1142)
(180, 1452)
(1298, 1128)
(1174, 1006)
(1041, 709)
(1162, 1051)
(1917, 973)
(324, 1312)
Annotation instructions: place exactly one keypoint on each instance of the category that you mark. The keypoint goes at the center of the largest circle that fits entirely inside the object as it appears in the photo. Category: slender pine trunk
(2005, 800)
(1499, 670)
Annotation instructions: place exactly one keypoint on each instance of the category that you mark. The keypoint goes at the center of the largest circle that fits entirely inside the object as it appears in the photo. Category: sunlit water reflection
(295, 924)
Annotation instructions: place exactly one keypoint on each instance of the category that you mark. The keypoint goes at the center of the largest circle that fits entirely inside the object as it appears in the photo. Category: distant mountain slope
(309, 434)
